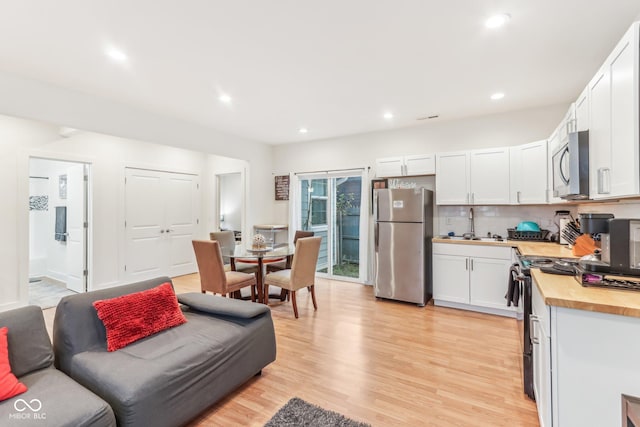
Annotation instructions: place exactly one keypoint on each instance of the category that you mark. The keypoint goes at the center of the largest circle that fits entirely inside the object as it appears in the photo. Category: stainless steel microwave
(571, 167)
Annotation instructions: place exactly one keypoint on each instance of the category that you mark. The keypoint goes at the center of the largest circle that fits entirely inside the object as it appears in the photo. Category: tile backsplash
(495, 219)
(620, 209)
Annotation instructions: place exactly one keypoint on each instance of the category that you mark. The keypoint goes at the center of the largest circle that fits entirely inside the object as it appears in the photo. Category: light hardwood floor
(382, 362)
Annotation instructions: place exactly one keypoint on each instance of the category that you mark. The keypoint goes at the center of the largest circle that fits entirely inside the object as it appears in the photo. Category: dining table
(259, 256)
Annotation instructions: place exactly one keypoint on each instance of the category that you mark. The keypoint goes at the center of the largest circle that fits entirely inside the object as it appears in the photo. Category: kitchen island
(586, 347)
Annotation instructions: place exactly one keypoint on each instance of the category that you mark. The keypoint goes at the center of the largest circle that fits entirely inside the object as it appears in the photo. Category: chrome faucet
(472, 232)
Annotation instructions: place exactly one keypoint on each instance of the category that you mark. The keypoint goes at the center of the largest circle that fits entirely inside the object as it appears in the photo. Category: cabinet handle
(533, 318)
(570, 125)
(604, 181)
(471, 264)
(518, 196)
(466, 264)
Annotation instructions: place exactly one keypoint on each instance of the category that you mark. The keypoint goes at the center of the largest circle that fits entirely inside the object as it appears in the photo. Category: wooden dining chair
(227, 242)
(302, 273)
(282, 264)
(213, 278)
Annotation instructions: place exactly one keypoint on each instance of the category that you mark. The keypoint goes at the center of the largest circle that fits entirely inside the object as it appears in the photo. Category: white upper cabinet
(389, 166)
(423, 164)
(479, 177)
(489, 176)
(452, 178)
(553, 146)
(582, 111)
(528, 166)
(614, 152)
(568, 124)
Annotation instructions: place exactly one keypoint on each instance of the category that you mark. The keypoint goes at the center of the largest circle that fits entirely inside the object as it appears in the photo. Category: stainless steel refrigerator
(402, 239)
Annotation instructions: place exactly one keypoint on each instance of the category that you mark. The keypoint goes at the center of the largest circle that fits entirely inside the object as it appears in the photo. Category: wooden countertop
(525, 247)
(565, 291)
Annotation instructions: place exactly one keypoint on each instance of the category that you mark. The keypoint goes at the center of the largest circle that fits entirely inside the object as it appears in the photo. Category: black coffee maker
(620, 244)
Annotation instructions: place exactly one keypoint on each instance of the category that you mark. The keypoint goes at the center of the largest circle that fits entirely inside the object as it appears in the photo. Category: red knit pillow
(128, 318)
(9, 384)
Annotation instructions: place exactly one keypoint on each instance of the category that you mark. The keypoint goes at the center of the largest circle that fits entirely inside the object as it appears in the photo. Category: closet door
(181, 220)
(160, 222)
(144, 224)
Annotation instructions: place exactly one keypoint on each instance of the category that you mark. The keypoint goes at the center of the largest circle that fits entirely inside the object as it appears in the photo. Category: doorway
(230, 206)
(58, 210)
(331, 206)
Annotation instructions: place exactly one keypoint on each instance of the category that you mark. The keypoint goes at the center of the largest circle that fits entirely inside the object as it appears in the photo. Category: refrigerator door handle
(375, 235)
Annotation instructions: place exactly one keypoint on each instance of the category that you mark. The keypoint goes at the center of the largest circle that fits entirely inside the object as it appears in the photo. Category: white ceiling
(333, 66)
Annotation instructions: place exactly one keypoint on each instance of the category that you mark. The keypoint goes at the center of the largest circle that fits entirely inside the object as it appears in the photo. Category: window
(318, 210)
(318, 202)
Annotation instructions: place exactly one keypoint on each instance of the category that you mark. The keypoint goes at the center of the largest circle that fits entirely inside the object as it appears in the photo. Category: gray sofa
(54, 399)
(168, 378)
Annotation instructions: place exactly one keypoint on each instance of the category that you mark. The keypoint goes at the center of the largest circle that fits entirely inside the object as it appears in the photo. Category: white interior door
(144, 224)
(76, 228)
(181, 221)
(160, 222)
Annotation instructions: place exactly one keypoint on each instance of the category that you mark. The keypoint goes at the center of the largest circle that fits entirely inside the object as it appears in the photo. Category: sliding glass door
(330, 205)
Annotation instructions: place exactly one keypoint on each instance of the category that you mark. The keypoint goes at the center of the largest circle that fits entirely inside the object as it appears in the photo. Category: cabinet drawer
(472, 250)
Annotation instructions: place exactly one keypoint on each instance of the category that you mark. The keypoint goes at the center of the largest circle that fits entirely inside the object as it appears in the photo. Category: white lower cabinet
(471, 277)
(583, 362)
(541, 340)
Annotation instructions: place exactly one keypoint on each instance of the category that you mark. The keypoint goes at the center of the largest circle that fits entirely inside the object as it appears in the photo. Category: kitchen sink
(477, 239)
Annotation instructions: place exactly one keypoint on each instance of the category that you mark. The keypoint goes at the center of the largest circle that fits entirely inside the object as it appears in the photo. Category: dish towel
(513, 289)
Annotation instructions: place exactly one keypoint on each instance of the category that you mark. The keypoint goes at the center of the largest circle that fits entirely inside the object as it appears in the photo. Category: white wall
(26, 98)
(513, 128)
(21, 139)
(15, 136)
(38, 228)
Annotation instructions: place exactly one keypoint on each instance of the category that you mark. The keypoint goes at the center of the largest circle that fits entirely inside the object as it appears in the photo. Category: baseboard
(469, 307)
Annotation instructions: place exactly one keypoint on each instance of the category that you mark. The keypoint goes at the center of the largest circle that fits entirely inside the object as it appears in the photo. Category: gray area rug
(46, 293)
(297, 412)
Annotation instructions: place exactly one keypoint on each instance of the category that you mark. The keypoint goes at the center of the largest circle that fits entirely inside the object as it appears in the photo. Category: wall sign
(282, 187)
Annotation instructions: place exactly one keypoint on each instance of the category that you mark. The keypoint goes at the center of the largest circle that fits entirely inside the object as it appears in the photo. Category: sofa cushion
(214, 304)
(54, 399)
(168, 378)
(9, 384)
(128, 318)
(77, 328)
(27, 355)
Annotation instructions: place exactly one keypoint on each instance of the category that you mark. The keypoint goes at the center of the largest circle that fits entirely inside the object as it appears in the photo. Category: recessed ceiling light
(388, 115)
(303, 130)
(497, 20)
(225, 98)
(116, 54)
(497, 96)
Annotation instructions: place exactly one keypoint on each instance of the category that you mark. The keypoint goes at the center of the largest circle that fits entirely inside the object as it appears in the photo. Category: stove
(551, 265)
(599, 280)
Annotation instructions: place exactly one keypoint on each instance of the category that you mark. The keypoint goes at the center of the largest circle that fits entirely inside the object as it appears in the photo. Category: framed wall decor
(282, 187)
